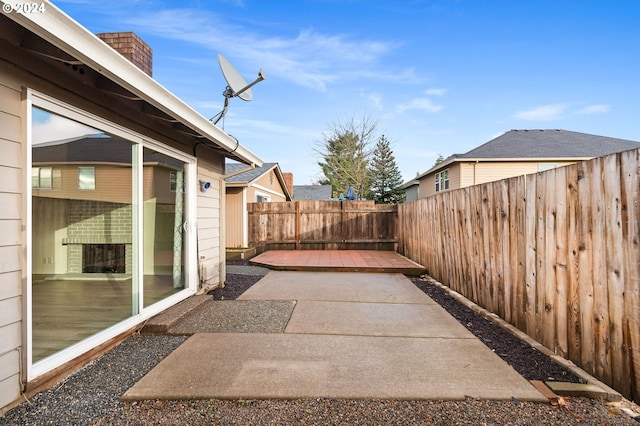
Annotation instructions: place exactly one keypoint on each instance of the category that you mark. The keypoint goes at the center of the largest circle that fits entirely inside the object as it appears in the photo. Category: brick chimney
(131, 47)
(288, 180)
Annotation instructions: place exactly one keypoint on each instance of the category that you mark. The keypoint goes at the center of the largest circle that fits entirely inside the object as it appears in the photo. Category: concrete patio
(350, 335)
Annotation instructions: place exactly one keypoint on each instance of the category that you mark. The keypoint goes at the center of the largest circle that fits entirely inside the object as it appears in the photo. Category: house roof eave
(438, 166)
(276, 169)
(62, 31)
(283, 183)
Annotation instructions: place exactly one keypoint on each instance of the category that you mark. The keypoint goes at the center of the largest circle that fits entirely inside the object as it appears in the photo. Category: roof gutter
(68, 35)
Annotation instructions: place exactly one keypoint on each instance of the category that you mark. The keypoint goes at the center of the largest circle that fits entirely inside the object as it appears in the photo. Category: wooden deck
(338, 261)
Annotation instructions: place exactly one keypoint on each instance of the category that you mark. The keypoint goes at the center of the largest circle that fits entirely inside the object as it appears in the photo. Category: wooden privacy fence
(556, 254)
(322, 225)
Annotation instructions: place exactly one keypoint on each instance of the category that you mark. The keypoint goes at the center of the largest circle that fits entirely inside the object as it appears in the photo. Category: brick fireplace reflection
(104, 258)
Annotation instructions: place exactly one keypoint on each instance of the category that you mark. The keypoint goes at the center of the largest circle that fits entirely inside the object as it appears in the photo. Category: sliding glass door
(164, 226)
(109, 229)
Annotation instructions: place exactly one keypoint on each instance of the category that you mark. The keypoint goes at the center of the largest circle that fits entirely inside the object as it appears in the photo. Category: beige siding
(235, 218)
(484, 172)
(462, 175)
(10, 239)
(467, 174)
(489, 172)
(113, 184)
(270, 185)
(210, 246)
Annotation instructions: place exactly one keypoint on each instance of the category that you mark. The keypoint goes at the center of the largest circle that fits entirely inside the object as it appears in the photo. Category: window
(261, 198)
(546, 166)
(87, 178)
(41, 177)
(442, 180)
(173, 181)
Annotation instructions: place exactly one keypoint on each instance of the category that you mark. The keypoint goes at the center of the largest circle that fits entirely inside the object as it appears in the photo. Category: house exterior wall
(235, 216)
(211, 251)
(13, 215)
(267, 184)
(463, 174)
(411, 193)
(12, 271)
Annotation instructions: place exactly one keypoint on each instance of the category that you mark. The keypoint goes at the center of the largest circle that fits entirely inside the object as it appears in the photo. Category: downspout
(474, 171)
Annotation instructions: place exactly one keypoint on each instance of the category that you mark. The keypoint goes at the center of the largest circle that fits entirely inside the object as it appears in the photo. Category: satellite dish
(236, 85)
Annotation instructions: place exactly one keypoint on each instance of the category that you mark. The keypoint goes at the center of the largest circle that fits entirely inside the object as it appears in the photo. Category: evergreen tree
(386, 180)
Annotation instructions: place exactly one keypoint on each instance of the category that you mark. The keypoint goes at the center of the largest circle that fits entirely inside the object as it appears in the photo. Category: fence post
(342, 236)
(297, 225)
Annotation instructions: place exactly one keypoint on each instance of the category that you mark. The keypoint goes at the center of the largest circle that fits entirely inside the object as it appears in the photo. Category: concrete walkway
(350, 335)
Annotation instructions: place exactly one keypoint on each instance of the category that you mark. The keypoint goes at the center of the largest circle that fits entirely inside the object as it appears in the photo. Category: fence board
(545, 258)
(559, 245)
(504, 251)
(530, 258)
(574, 333)
(630, 172)
(517, 246)
(615, 271)
(600, 300)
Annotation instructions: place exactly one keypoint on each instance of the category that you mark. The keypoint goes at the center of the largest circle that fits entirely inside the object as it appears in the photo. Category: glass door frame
(32, 99)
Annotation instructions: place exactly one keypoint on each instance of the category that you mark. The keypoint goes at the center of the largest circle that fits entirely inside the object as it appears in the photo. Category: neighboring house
(411, 190)
(104, 222)
(515, 153)
(312, 192)
(250, 185)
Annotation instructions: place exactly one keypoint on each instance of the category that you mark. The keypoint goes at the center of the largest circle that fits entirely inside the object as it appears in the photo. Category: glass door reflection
(81, 246)
(163, 226)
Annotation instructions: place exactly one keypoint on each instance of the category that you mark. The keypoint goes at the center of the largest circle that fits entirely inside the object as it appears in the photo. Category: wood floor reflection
(66, 311)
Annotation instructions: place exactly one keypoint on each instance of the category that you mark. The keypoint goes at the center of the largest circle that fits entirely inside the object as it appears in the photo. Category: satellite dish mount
(236, 86)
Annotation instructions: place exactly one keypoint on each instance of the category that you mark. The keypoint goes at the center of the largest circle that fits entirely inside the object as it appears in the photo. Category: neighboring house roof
(518, 145)
(96, 148)
(549, 144)
(76, 44)
(312, 192)
(237, 177)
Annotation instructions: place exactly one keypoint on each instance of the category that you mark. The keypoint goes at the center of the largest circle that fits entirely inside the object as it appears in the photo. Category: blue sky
(438, 76)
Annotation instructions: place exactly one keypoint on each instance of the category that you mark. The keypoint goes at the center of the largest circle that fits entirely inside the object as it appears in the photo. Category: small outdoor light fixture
(204, 185)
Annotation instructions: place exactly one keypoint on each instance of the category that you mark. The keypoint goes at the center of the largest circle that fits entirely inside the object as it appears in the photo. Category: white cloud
(376, 101)
(594, 109)
(436, 91)
(308, 58)
(424, 104)
(56, 128)
(542, 113)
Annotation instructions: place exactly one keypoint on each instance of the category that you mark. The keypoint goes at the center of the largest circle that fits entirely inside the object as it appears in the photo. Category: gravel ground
(237, 316)
(91, 395)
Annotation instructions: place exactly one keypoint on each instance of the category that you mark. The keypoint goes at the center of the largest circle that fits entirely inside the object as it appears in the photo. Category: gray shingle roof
(549, 144)
(247, 176)
(312, 192)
